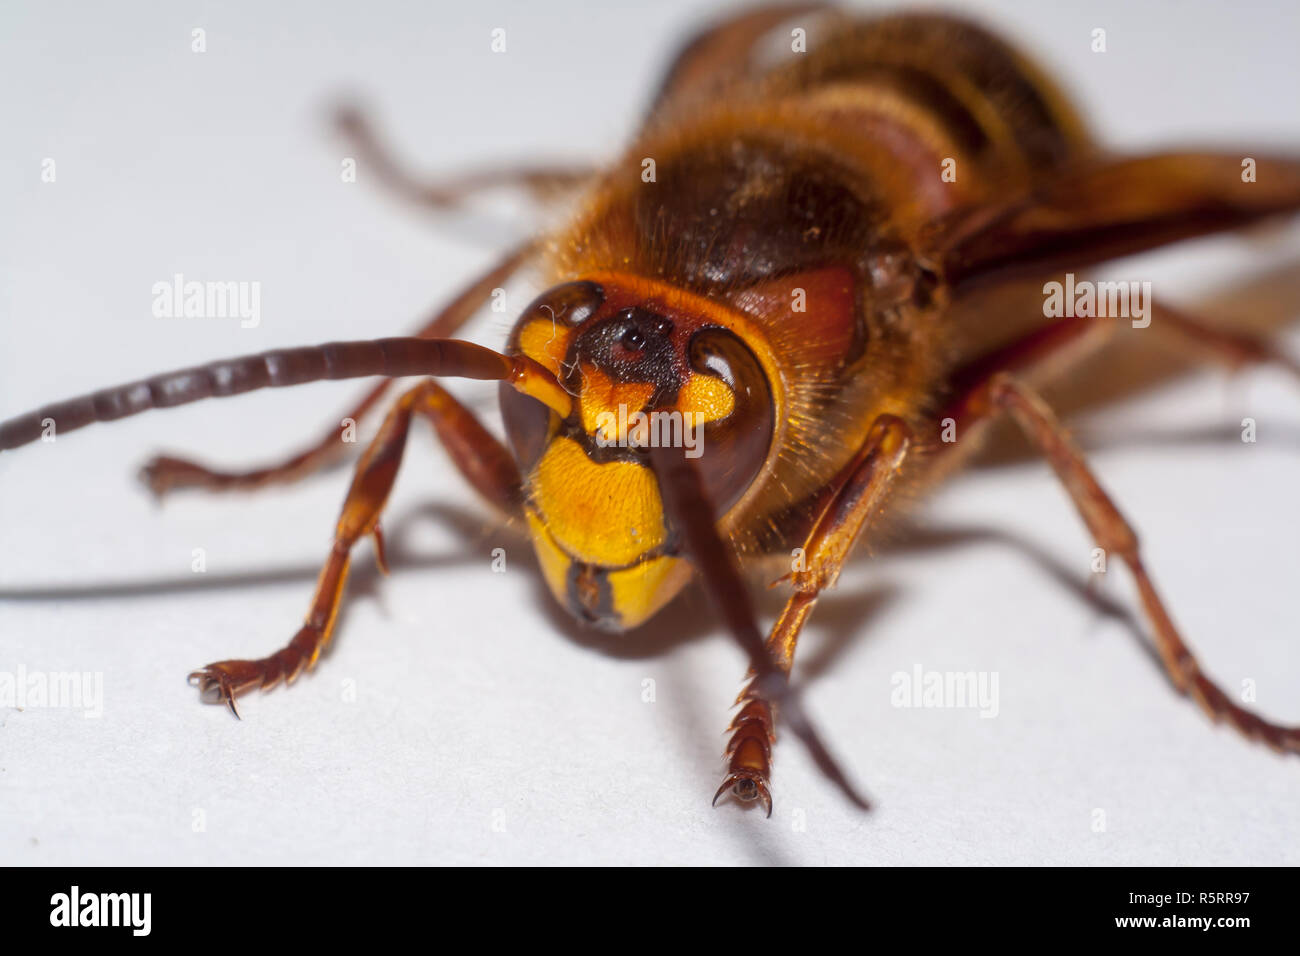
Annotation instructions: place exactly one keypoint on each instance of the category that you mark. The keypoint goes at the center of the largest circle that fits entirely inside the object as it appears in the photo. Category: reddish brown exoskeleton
(758, 326)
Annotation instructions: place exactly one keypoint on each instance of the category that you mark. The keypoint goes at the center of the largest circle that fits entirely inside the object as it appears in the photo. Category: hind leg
(1002, 394)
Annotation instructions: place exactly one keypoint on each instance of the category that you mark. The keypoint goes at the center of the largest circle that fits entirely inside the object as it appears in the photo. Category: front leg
(487, 465)
(688, 508)
(869, 477)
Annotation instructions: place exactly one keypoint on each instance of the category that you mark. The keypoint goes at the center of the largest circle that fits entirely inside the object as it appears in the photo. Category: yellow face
(641, 373)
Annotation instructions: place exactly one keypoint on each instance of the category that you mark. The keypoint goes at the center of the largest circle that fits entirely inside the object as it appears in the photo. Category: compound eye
(542, 333)
(734, 447)
(712, 354)
(570, 304)
(721, 354)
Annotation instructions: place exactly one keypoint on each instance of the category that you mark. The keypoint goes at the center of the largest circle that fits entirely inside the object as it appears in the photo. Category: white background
(488, 729)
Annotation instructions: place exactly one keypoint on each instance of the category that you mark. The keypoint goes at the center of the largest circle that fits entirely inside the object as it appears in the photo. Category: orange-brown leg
(869, 476)
(542, 182)
(166, 473)
(479, 456)
(1234, 349)
(749, 752)
(1003, 393)
(689, 510)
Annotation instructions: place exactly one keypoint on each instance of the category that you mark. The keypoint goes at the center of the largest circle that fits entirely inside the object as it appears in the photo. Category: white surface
(486, 729)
